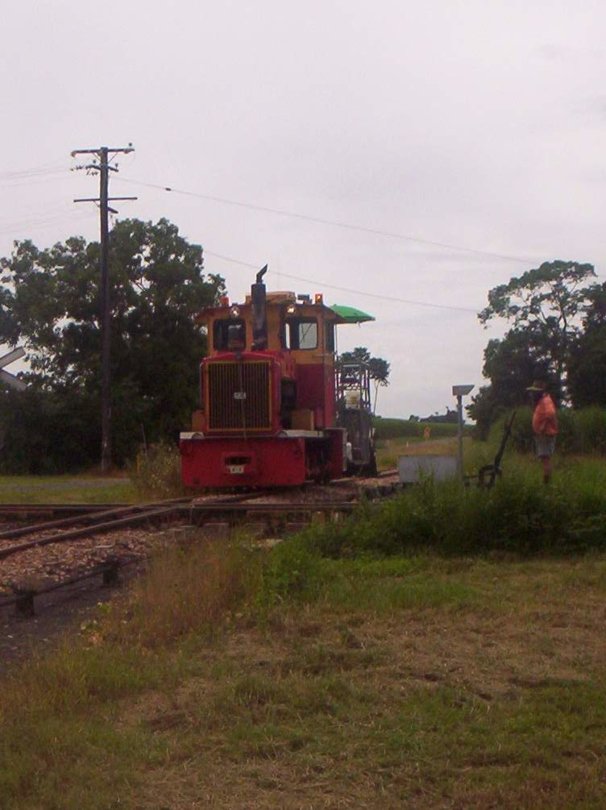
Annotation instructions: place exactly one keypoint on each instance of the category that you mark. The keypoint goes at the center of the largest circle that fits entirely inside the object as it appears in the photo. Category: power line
(334, 223)
(325, 284)
(19, 177)
(37, 222)
(45, 168)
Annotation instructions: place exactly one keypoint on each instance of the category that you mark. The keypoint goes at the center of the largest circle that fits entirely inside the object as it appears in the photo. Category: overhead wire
(45, 170)
(327, 285)
(35, 171)
(330, 222)
(37, 221)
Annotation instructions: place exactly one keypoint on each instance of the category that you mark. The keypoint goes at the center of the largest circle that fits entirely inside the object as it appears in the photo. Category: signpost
(459, 391)
(5, 376)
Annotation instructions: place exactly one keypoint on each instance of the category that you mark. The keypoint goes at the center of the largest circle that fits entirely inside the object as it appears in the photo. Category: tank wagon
(276, 407)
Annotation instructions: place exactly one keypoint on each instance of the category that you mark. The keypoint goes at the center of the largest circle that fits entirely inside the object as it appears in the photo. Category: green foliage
(156, 472)
(65, 489)
(511, 364)
(589, 431)
(46, 432)
(292, 571)
(377, 367)
(518, 515)
(386, 428)
(544, 306)
(50, 303)
(587, 364)
(587, 368)
(581, 432)
(548, 294)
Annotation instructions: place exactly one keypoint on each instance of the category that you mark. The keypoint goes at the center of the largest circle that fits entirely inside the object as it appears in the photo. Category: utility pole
(104, 154)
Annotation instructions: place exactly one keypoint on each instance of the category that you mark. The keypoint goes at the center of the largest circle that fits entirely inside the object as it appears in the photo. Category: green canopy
(351, 314)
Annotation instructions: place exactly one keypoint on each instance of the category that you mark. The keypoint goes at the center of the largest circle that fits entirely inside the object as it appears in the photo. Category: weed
(157, 472)
(519, 515)
(190, 590)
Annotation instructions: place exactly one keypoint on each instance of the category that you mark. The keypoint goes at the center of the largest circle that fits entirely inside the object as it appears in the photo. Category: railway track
(46, 556)
(26, 510)
(37, 559)
(87, 523)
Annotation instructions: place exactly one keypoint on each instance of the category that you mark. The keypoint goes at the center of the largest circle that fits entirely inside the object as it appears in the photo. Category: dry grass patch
(415, 682)
(499, 704)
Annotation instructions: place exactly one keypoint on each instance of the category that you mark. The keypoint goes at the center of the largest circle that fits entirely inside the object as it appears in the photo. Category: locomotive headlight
(235, 312)
(291, 309)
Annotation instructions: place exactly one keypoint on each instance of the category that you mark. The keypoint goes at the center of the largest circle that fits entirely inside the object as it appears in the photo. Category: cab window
(301, 333)
(229, 334)
(329, 330)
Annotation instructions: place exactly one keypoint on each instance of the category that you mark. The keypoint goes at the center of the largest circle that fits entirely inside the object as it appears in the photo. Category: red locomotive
(277, 408)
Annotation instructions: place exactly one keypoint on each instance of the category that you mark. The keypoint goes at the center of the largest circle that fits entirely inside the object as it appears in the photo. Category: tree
(544, 304)
(50, 302)
(587, 363)
(510, 363)
(378, 368)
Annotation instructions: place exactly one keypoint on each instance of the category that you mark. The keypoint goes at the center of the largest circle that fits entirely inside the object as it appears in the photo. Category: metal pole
(460, 435)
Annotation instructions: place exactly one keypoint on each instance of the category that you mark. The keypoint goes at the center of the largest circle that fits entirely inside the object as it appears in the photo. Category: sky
(421, 153)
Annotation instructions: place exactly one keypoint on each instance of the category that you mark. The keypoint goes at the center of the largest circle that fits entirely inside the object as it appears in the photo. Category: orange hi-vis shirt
(544, 418)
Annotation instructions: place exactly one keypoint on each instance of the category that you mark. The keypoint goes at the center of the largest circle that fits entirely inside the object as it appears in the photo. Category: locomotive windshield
(301, 333)
(229, 334)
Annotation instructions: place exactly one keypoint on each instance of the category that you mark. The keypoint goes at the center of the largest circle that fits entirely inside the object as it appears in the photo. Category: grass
(32, 489)
(407, 681)
(351, 666)
(154, 476)
(387, 428)
(389, 450)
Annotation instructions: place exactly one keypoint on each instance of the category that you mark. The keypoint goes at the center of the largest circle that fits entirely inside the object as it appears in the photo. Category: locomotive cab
(268, 414)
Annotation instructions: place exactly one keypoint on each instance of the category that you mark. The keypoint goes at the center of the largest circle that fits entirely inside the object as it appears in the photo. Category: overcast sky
(478, 124)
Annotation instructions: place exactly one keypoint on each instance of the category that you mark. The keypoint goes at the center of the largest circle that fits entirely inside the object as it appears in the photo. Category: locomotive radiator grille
(239, 396)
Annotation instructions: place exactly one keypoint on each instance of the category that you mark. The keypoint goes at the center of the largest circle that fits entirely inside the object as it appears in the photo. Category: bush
(590, 430)
(580, 432)
(157, 472)
(45, 433)
(518, 515)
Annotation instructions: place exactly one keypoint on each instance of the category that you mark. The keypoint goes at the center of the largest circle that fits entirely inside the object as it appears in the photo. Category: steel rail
(118, 519)
(75, 534)
(94, 517)
(8, 509)
(296, 506)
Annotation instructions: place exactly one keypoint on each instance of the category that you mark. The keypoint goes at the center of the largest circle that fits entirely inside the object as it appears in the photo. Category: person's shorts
(544, 446)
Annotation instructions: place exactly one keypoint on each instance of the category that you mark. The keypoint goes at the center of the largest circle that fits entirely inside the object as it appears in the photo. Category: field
(65, 489)
(410, 682)
(352, 666)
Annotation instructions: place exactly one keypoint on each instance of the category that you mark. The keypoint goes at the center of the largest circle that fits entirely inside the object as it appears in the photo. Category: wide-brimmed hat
(537, 385)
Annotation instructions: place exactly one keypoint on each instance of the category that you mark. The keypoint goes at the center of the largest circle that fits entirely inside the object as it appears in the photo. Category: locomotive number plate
(236, 469)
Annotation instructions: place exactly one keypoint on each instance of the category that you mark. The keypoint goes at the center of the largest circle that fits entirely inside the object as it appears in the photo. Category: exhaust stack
(259, 312)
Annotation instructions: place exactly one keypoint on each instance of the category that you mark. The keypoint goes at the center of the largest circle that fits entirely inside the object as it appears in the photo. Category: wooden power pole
(102, 165)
